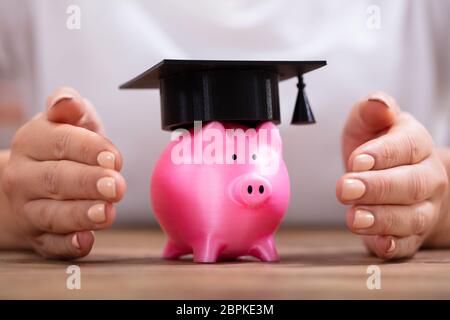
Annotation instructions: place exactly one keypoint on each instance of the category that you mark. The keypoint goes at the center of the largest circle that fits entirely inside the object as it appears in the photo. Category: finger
(389, 247)
(367, 120)
(67, 142)
(399, 185)
(66, 105)
(70, 246)
(53, 216)
(68, 180)
(407, 142)
(395, 220)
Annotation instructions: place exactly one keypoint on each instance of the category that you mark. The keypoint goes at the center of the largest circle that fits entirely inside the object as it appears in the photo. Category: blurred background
(401, 47)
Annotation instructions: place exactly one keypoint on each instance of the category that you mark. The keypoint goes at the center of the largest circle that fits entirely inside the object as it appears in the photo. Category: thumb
(66, 105)
(368, 119)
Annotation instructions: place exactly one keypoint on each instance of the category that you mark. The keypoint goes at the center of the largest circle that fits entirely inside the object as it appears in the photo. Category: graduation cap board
(220, 90)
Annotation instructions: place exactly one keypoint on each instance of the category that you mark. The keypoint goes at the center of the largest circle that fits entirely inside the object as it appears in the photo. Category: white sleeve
(439, 32)
(16, 66)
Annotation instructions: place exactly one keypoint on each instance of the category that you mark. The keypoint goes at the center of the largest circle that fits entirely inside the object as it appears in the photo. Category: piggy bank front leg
(207, 250)
(265, 250)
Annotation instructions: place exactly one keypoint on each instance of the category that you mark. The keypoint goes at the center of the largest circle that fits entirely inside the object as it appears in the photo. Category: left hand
(395, 180)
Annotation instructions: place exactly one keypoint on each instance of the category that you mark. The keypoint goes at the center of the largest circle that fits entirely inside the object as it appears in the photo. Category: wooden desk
(315, 264)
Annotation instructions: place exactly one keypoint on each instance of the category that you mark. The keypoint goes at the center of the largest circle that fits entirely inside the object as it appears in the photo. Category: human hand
(62, 178)
(395, 181)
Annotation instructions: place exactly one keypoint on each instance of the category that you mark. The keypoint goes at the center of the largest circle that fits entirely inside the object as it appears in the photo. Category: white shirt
(408, 56)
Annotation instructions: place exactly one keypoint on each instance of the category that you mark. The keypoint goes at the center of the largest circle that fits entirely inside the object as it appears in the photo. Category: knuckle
(413, 148)
(388, 154)
(85, 151)
(42, 247)
(388, 221)
(40, 216)
(62, 141)
(87, 144)
(85, 180)
(47, 218)
(418, 223)
(77, 218)
(51, 178)
(418, 186)
(51, 247)
(381, 188)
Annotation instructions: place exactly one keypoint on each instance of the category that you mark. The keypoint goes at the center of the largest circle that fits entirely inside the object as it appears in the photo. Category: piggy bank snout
(253, 190)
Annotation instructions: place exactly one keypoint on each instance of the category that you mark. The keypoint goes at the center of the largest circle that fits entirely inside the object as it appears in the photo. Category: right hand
(62, 178)
(396, 181)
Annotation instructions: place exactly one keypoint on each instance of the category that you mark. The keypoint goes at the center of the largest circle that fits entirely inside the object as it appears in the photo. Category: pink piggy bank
(221, 192)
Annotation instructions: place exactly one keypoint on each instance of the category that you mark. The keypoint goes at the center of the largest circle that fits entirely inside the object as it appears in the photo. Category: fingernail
(58, 99)
(96, 213)
(106, 159)
(363, 162)
(363, 219)
(391, 247)
(378, 97)
(75, 242)
(352, 189)
(107, 187)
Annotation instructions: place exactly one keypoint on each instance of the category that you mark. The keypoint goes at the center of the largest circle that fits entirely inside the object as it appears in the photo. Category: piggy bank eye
(254, 156)
(234, 156)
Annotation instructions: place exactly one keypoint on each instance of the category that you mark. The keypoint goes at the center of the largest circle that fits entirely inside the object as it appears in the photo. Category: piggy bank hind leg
(172, 252)
(208, 250)
(265, 250)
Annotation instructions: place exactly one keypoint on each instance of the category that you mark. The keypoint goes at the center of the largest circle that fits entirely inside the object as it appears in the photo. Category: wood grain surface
(126, 264)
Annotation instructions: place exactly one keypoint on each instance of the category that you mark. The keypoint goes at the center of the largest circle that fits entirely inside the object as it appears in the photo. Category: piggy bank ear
(273, 134)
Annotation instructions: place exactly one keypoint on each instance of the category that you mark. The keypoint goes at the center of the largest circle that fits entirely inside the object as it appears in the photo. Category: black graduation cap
(232, 91)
